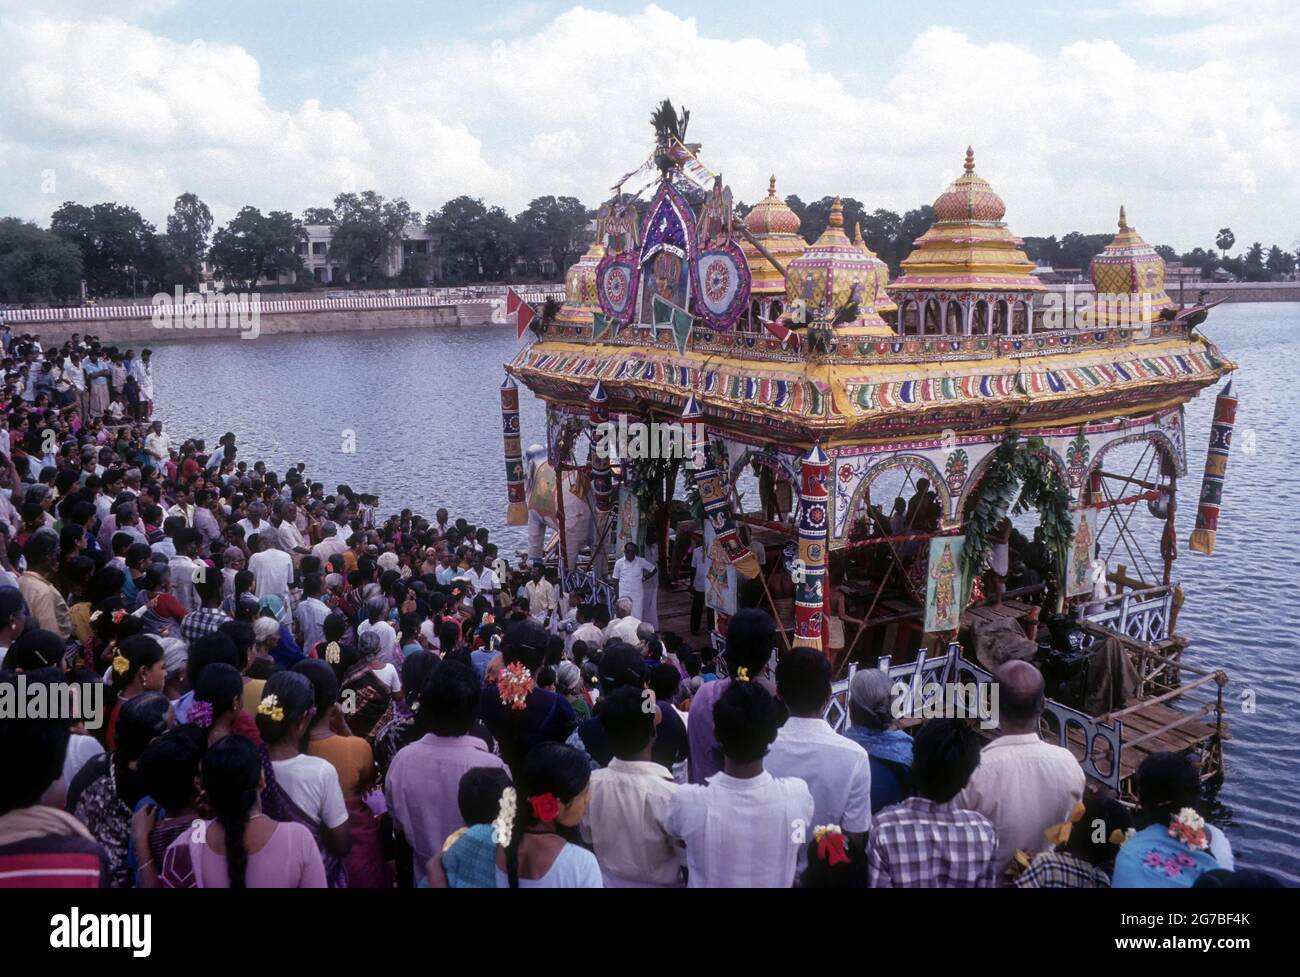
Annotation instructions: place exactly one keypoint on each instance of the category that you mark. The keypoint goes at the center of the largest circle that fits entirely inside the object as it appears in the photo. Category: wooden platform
(1153, 728)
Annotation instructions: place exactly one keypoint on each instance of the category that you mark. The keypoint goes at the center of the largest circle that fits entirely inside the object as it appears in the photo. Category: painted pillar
(602, 476)
(516, 504)
(810, 587)
(1216, 467)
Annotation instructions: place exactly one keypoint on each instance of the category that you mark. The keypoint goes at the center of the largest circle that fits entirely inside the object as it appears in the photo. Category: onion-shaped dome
(969, 197)
(834, 271)
(968, 248)
(1129, 276)
(580, 295)
(776, 227)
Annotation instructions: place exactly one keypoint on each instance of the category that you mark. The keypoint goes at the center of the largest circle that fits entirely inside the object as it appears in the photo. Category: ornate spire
(970, 160)
(1123, 221)
(857, 234)
(771, 185)
(837, 213)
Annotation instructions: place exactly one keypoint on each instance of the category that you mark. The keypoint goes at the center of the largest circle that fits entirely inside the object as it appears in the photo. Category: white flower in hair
(503, 826)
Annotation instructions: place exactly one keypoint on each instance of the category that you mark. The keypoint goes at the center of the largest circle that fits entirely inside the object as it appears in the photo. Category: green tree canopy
(188, 227)
(553, 228)
(36, 265)
(119, 248)
(478, 241)
(366, 229)
(254, 245)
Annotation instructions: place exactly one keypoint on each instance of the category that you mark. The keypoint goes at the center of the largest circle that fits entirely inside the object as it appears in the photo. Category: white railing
(916, 675)
(1142, 615)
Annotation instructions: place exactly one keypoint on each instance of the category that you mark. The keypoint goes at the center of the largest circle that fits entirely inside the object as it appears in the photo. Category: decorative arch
(1159, 438)
(977, 475)
(904, 460)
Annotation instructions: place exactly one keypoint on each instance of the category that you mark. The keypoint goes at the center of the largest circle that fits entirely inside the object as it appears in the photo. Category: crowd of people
(298, 693)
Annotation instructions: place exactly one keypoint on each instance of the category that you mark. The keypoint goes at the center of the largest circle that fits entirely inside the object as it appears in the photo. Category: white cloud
(1065, 135)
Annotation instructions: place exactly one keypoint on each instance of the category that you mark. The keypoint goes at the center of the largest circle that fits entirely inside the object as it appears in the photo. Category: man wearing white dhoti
(632, 571)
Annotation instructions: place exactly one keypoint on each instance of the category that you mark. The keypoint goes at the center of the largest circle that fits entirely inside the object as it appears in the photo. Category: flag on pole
(521, 311)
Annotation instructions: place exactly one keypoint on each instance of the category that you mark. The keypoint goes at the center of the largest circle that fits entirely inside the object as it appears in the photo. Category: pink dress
(290, 860)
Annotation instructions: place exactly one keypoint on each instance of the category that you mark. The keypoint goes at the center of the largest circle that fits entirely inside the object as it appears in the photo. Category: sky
(1185, 111)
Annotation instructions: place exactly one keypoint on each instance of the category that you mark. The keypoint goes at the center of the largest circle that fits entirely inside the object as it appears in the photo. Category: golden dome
(580, 295)
(968, 248)
(772, 215)
(1129, 276)
(884, 303)
(776, 227)
(834, 271)
(969, 197)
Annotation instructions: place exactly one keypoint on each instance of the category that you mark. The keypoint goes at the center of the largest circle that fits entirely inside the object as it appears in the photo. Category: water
(425, 413)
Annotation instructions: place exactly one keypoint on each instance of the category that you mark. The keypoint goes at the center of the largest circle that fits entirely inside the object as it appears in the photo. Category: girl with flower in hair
(552, 793)
(135, 668)
(218, 701)
(1177, 846)
(242, 847)
(309, 785)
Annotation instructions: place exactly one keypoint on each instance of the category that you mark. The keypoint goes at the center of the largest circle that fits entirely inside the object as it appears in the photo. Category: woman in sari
(299, 787)
(242, 847)
(369, 698)
(354, 762)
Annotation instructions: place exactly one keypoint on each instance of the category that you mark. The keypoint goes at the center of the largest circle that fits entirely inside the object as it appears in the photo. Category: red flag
(776, 327)
(523, 313)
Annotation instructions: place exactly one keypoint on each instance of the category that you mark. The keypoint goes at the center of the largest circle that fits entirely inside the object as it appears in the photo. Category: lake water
(421, 412)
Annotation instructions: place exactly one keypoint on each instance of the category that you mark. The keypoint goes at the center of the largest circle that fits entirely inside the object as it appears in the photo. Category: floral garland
(271, 708)
(831, 844)
(1189, 828)
(503, 827)
(514, 684)
(1024, 466)
(200, 714)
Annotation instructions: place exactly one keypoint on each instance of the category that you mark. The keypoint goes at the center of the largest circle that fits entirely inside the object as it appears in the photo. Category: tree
(553, 228)
(318, 215)
(1254, 263)
(479, 242)
(254, 245)
(1166, 252)
(119, 248)
(188, 227)
(1279, 263)
(366, 230)
(1225, 239)
(36, 265)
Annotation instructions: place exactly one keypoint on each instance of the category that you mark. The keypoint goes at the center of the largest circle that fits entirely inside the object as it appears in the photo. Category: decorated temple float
(851, 446)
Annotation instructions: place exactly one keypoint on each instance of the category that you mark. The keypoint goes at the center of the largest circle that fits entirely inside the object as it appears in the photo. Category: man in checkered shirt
(927, 841)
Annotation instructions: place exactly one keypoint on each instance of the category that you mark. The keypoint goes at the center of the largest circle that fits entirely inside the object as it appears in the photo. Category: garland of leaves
(647, 478)
(1022, 465)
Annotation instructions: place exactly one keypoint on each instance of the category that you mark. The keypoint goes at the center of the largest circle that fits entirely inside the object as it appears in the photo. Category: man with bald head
(1022, 785)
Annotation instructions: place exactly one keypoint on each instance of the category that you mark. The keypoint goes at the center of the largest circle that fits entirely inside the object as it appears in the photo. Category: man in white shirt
(1022, 785)
(632, 571)
(253, 524)
(330, 544)
(183, 567)
(624, 625)
(587, 631)
(310, 613)
(836, 769)
(541, 595)
(157, 445)
(272, 570)
(626, 815)
(740, 829)
(288, 537)
(483, 579)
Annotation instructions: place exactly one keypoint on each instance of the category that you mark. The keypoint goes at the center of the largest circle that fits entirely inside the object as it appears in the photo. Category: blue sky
(1186, 111)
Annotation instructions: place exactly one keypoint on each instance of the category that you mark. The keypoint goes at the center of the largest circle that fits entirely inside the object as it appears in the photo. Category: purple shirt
(706, 756)
(421, 789)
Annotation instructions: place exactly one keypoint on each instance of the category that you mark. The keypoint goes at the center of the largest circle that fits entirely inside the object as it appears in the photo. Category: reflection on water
(425, 413)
